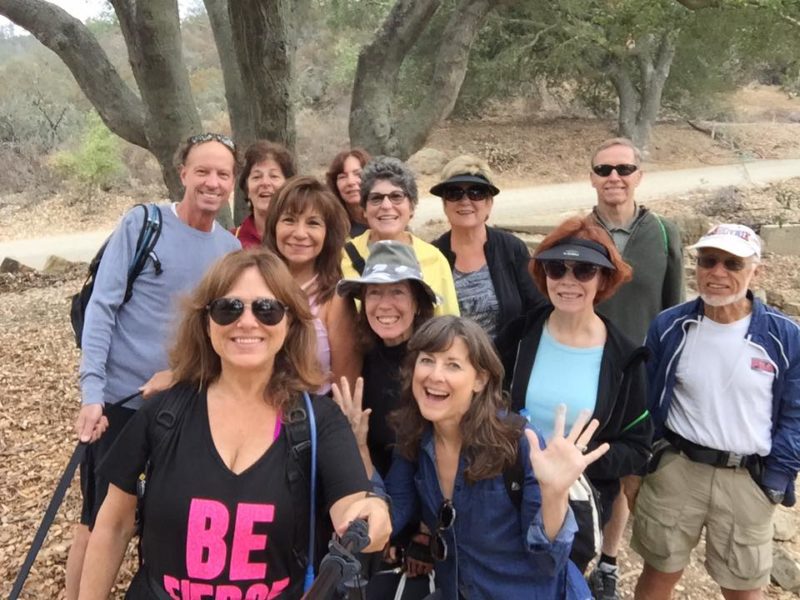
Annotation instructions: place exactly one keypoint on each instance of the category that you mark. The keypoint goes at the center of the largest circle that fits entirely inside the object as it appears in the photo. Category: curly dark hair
(393, 170)
(490, 441)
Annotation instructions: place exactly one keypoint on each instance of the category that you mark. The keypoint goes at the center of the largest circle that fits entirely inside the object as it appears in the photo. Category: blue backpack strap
(148, 237)
(312, 513)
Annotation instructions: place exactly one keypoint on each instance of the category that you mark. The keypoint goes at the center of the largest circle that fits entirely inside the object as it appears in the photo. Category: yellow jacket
(435, 271)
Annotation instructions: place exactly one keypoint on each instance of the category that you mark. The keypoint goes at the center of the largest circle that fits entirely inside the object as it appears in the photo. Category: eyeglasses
(444, 521)
(395, 198)
(622, 170)
(709, 261)
(583, 272)
(201, 138)
(454, 194)
(224, 311)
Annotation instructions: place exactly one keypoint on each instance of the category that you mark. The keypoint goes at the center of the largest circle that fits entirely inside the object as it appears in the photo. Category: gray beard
(718, 301)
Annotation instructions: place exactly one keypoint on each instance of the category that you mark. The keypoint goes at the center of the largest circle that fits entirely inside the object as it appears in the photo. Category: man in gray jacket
(125, 344)
(652, 246)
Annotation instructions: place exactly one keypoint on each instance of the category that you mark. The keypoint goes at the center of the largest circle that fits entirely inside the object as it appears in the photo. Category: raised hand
(561, 463)
(351, 405)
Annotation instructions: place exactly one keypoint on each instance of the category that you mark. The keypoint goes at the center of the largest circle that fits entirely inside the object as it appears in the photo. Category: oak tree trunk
(375, 123)
(640, 101)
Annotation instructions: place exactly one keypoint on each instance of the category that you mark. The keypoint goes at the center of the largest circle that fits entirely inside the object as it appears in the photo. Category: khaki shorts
(681, 497)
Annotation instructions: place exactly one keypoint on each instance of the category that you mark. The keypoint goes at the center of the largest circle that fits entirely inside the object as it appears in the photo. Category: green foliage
(96, 162)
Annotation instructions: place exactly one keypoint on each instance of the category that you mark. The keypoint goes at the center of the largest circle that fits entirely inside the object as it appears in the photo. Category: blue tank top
(561, 375)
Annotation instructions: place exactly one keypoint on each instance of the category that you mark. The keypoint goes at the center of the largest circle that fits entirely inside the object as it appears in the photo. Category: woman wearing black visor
(565, 353)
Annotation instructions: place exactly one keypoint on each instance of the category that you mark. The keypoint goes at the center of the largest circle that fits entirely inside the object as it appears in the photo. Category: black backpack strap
(355, 258)
(298, 475)
(148, 236)
(514, 474)
(160, 432)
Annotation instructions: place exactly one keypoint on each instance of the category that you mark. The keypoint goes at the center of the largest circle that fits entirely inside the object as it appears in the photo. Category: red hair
(584, 228)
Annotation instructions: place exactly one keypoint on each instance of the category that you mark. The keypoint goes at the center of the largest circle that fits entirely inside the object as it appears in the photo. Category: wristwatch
(774, 496)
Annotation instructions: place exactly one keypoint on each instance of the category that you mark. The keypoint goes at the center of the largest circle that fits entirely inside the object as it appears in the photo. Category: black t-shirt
(382, 387)
(211, 533)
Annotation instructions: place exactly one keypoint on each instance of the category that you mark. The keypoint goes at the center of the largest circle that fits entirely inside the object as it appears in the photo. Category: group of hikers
(320, 364)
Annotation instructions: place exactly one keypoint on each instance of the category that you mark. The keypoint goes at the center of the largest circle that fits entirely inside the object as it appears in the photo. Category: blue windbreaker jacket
(769, 329)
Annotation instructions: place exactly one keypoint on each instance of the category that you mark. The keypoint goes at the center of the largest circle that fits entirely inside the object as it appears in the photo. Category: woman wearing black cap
(490, 267)
(565, 353)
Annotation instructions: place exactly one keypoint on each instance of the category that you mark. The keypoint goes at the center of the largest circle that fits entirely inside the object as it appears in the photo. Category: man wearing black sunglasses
(652, 246)
(724, 395)
(125, 340)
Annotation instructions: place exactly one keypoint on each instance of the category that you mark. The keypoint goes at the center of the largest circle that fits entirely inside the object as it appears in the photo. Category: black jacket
(621, 406)
(508, 258)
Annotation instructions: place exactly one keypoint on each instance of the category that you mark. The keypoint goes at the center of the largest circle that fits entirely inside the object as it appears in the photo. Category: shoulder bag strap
(355, 258)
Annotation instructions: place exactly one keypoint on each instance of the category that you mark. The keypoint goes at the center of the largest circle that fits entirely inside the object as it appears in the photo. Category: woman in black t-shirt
(395, 301)
(220, 515)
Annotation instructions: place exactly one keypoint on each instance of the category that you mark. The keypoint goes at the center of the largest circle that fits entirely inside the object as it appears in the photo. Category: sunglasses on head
(583, 272)
(709, 261)
(201, 138)
(622, 170)
(444, 521)
(475, 193)
(224, 311)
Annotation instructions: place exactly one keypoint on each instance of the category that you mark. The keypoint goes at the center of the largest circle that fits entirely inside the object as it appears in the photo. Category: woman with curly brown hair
(220, 513)
(564, 352)
(454, 444)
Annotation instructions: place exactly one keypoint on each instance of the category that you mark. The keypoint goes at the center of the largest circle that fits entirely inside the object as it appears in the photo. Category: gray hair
(393, 170)
(619, 141)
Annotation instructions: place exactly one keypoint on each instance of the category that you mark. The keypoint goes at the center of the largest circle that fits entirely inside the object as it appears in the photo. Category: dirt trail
(517, 205)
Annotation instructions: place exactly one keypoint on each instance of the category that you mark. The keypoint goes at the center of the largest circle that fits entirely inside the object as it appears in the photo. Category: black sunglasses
(224, 311)
(708, 261)
(583, 272)
(475, 193)
(444, 521)
(622, 170)
(201, 138)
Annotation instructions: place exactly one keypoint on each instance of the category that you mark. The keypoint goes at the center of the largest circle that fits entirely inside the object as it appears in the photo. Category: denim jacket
(494, 550)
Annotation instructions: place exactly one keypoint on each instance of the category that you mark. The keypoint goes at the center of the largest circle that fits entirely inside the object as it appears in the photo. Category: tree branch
(118, 106)
(239, 106)
(379, 62)
(152, 35)
(264, 39)
(449, 71)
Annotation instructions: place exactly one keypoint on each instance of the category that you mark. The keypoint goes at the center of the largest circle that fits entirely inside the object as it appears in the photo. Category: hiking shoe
(603, 584)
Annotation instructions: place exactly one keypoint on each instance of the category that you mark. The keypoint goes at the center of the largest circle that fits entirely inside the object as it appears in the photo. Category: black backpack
(148, 236)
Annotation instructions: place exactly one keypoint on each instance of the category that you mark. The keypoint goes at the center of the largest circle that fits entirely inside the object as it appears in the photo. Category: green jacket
(654, 252)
